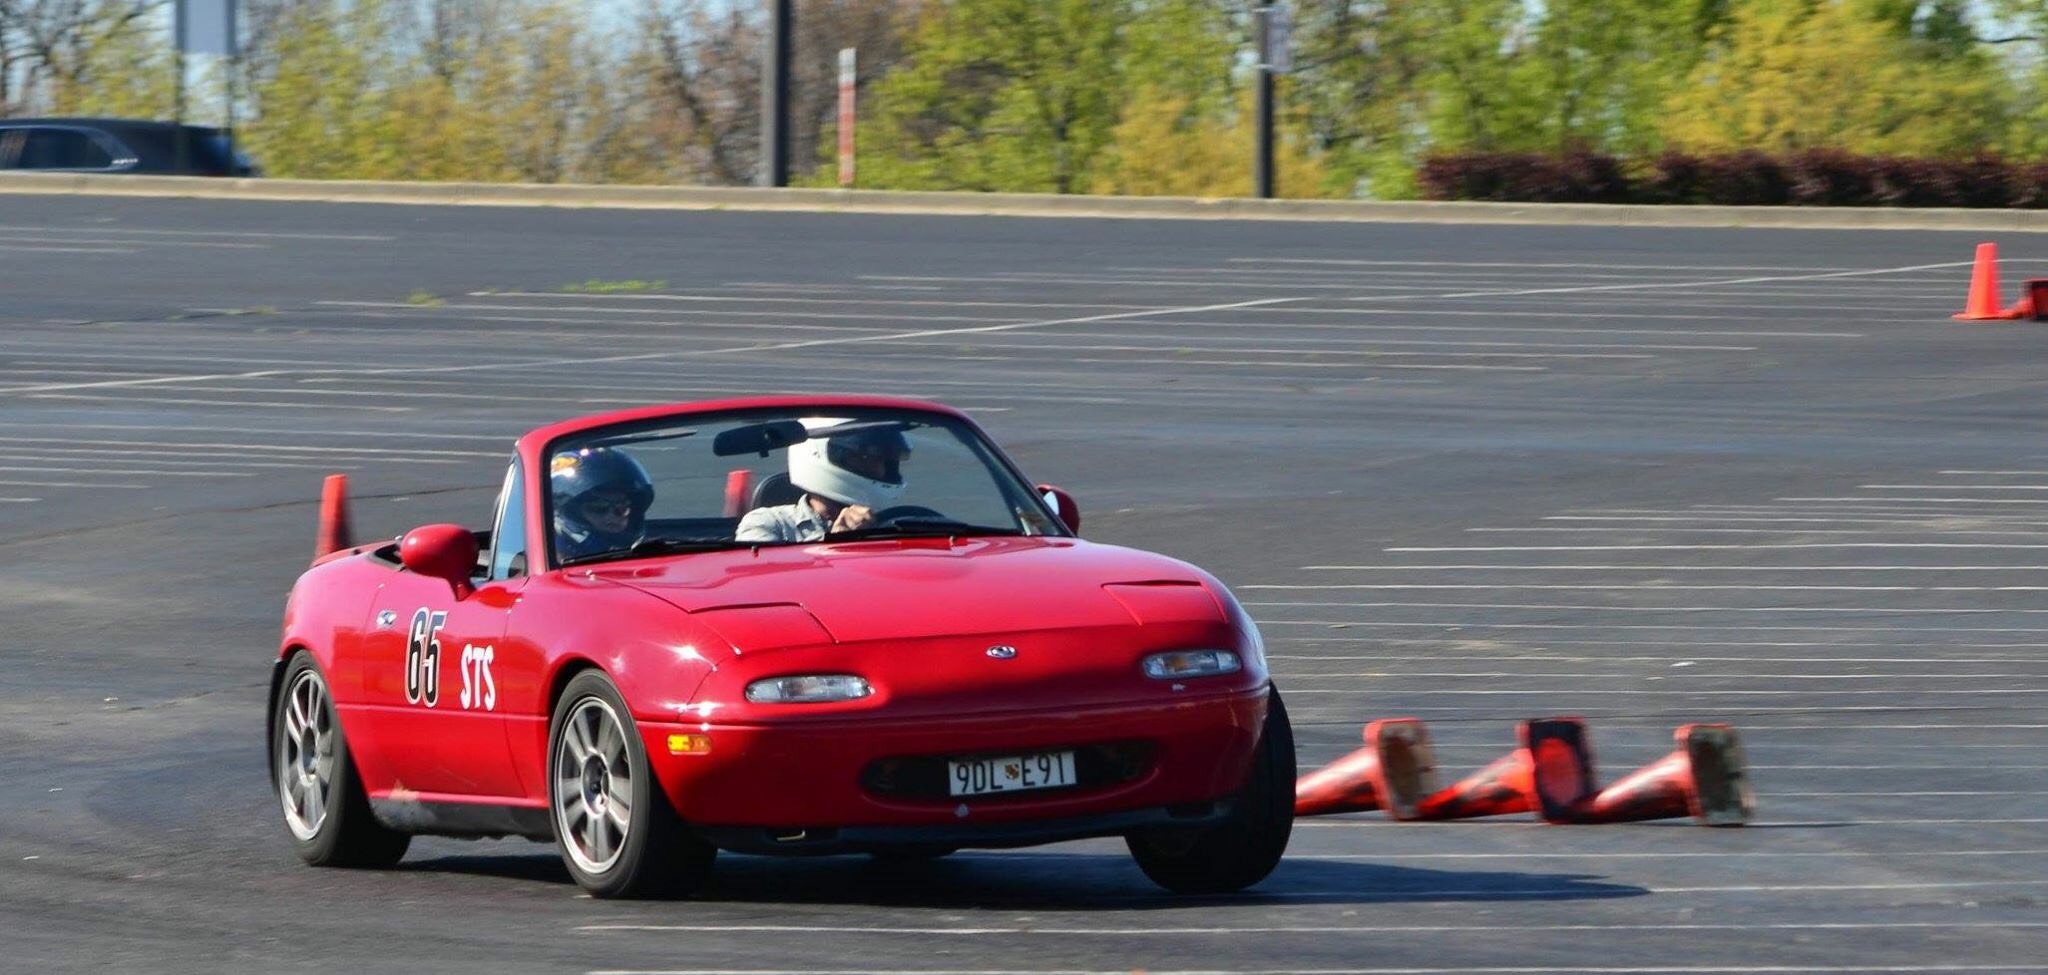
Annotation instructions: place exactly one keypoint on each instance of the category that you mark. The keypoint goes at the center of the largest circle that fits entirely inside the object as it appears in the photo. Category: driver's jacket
(782, 523)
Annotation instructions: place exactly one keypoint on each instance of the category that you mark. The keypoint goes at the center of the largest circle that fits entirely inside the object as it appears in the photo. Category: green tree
(1843, 74)
(1001, 95)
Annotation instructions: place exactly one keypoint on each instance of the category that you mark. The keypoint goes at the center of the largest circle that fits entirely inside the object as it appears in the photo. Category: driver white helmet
(863, 465)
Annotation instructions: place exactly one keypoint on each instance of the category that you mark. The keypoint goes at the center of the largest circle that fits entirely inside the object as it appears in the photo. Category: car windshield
(781, 477)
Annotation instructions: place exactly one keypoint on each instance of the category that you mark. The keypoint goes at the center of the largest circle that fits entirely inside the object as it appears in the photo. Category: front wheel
(617, 833)
(1243, 849)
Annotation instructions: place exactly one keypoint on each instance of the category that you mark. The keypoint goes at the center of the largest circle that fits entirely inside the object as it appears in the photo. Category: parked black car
(105, 145)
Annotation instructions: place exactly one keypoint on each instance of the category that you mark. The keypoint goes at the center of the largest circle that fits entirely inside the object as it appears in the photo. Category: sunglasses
(617, 507)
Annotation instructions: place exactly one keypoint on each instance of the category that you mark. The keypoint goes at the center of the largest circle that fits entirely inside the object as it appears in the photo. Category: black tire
(344, 833)
(1243, 849)
(657, 855)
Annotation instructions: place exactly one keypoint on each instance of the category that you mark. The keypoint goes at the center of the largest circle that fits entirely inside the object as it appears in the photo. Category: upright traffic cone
(334, 534)
(1705, 778)
(1547, 771)
(1391, 770)
(1983, 303)
(739, 491)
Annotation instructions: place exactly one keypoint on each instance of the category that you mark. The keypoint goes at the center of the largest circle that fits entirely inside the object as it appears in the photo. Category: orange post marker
(1983, 303)
(1391, 770)
(334, 534)
(1705, 778)
(1548, 771)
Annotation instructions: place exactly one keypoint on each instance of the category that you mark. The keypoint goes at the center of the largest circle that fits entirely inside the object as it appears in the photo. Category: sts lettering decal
(479, 688)
(423, 657)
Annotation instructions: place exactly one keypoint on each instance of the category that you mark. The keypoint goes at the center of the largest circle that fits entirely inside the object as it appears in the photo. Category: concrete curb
(1020, 204)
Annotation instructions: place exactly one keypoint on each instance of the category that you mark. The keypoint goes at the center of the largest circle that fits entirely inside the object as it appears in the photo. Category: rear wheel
(1243, 849)
(613, 823)
(325, 808)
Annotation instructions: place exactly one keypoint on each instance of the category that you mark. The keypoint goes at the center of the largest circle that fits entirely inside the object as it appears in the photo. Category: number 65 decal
(423, 657)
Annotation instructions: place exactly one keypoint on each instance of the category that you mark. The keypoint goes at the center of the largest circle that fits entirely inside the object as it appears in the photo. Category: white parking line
(1503, 329)
(1952, 487)
(288, 448)
(1167, 344)
(110, 228)
(1534, 824)
(1584, 607)
(40, 468)
(1804, 692)
(556, 363)
(1704, 548)
(1679, 568)
(1660, 586)
(1477, 625)
(66, 250)
(1930, 500)
(1296, 928)
(1744, 518)
(1468, 970)
(74, 484)
(505, 438)
(1334, 262)
(1678, 529)
(437, 312)
(848, 300)
(178, 401)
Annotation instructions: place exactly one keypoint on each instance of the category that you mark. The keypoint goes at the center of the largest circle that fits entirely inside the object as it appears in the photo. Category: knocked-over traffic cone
(334, 534)
(1513, 784)
(1705, 778)
(1983, 303)
(2033, 300)
(1391, 770)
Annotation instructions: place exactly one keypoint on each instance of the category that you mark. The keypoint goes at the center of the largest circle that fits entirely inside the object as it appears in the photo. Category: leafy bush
(1814, 177)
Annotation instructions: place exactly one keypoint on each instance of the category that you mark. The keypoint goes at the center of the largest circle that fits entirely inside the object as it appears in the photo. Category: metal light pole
(1262, 168)
(775, 96)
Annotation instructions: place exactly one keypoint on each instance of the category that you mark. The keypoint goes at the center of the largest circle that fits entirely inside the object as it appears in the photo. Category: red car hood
(918, 588)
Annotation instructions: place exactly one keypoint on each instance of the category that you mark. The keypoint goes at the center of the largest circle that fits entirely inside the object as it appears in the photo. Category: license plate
(1010, 773)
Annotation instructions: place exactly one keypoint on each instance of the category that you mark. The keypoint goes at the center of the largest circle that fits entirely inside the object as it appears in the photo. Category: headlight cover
(1182, 664)
(808, 689)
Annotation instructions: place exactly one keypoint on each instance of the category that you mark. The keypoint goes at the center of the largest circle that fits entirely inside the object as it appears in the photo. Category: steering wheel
(899, 512)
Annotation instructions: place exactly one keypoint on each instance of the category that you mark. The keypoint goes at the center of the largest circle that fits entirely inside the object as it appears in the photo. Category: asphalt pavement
(1466, 474)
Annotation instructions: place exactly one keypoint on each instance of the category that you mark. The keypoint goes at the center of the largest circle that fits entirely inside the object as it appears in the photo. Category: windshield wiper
(917, 527)
(658, 546)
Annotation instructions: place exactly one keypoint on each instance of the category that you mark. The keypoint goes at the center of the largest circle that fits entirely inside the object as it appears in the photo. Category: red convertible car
(788, 626)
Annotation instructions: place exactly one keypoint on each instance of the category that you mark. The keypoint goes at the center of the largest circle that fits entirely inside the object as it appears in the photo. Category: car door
(428, 671)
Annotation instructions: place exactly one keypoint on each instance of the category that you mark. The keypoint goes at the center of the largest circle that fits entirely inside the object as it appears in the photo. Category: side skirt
(472, 819)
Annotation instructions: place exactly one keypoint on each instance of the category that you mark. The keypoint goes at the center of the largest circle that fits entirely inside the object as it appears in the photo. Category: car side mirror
(446, 552)
(1062, 504)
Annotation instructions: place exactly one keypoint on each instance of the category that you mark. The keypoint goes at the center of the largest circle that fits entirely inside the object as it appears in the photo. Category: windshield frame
(984, 445)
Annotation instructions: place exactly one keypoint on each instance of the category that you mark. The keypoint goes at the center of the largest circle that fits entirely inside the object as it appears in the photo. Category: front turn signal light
(689, 744)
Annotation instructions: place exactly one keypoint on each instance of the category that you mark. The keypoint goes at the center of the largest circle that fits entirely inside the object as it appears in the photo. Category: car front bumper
(808, 781)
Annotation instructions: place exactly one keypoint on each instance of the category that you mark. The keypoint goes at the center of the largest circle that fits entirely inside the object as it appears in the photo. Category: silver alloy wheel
(593, 786)
(305, 756)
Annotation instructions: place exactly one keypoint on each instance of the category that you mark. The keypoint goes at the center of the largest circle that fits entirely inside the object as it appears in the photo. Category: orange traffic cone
(1391, 770)
(739, 492)
(334, 534)
(1548, 772)
(1704, 778)
(1983, 303)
